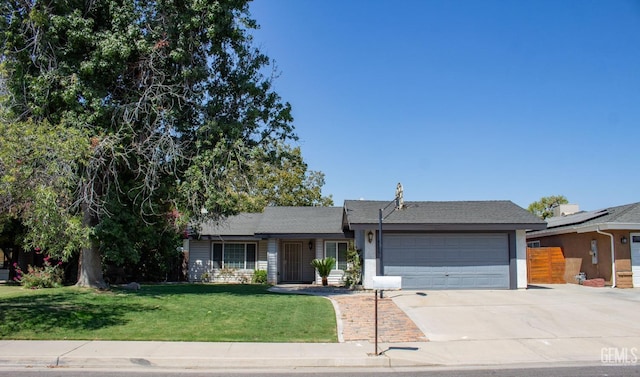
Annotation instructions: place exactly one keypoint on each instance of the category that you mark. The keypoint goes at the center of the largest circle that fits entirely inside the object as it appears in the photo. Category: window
(337, 250)
(533, 244)
(234, 255)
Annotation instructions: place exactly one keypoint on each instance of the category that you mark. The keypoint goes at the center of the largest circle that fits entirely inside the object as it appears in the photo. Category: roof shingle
(452, 212)
(278, 221)
(301, 220)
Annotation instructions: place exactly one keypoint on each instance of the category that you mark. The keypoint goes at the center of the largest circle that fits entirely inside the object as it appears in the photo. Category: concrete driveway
(542, 312)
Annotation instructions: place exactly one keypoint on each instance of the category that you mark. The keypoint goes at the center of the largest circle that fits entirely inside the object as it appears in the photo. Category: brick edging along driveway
(357, 313)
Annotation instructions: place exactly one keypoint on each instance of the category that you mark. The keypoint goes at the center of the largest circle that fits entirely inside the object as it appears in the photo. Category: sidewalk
(184, 355)
(115, 354)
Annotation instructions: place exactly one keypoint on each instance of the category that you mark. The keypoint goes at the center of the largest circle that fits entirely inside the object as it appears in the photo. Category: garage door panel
(439, 259)
(434, 282)
(445, 261)
(444, 280)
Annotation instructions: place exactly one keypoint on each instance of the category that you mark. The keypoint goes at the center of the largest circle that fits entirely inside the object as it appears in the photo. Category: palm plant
(324, 267)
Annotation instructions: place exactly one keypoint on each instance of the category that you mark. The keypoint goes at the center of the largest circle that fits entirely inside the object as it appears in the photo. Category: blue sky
(464, 99)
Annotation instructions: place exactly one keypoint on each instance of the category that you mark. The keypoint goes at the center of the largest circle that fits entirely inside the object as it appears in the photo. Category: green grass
(180, 312)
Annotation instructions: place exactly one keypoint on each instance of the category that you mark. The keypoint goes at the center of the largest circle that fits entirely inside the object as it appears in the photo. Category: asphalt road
(580, 371)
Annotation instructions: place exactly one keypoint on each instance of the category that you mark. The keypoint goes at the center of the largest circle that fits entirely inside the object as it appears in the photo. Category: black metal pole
(380, 239)
(380, 245)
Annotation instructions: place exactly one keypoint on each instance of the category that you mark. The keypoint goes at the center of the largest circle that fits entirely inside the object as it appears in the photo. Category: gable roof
(624, 217)
(282, 222)
(240, 225)
(339, 222)
(450, 215)
(301, 221)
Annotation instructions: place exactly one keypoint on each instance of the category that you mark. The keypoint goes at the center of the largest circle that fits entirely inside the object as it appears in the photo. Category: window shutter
(251, 256)
(217, 255)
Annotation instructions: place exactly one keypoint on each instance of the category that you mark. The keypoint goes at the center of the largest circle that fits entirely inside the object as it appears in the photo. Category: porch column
(370, 262)
(521, 259)
(319, 242)
(272, 261)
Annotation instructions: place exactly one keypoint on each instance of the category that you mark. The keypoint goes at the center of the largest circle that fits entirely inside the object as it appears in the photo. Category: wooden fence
(545, 265)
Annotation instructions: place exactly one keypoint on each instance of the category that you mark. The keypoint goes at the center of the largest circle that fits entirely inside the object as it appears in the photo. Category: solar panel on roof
(577, 218)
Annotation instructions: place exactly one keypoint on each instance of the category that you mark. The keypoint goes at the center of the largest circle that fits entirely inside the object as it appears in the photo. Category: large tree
(170, 99)
(543, 208)
(285, 181)
(38, 166)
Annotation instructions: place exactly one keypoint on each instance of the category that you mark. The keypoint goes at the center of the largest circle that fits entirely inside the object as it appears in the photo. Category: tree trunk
(325, 281)
(90, 261)
(90, 268)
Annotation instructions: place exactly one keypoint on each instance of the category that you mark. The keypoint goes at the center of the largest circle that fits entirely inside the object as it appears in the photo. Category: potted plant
(324, 267)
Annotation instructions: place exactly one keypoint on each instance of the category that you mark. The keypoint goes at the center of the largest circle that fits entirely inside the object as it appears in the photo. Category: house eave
(449, 227)
(220, 237)
(584, 229)
(609, 226)
(305, 235)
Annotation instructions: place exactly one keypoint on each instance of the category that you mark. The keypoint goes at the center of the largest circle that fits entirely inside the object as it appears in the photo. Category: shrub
(259, 277)
(48, 276)
(226, 274)
(353, 274)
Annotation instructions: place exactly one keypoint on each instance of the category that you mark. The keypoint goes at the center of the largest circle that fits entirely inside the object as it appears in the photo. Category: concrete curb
(188, 355)
(224, 363)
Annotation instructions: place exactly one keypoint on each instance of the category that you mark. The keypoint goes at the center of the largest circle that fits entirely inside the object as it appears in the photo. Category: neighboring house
(605, 243)
(433, 245)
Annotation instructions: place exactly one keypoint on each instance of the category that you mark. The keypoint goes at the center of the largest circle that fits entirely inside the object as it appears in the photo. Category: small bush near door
(259, 277)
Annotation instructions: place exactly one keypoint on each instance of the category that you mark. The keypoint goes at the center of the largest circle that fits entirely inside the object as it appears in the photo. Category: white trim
(369, 258)
(521, 260)
(635, 267)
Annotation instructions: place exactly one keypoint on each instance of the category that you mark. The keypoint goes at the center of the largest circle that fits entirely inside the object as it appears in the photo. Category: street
(561, 371)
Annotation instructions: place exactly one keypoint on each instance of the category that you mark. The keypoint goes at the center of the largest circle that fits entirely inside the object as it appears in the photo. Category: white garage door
(448, 261)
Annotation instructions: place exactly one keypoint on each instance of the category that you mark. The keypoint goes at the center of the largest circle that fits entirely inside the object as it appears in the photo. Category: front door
(635, 258)
(292, 262)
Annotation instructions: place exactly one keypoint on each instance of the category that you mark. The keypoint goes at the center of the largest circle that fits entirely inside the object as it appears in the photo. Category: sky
(462, 99)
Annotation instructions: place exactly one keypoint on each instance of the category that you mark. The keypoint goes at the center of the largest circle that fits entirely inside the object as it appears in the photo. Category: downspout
(613, 257)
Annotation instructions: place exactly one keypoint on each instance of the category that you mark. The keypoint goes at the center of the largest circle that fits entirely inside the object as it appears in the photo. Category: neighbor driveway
(542, 312)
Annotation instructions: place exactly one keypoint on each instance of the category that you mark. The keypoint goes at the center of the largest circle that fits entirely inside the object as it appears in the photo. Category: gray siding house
(432, 245)
(282, 241)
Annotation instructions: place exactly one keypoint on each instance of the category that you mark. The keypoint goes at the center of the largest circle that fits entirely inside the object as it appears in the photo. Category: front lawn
(177, 312)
